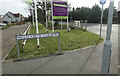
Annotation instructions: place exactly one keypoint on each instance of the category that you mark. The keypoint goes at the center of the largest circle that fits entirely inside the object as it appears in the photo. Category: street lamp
(107, 45)
(102, 2)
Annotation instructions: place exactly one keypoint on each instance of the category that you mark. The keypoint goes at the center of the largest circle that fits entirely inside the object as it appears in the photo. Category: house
(12, 18)
(0, 18)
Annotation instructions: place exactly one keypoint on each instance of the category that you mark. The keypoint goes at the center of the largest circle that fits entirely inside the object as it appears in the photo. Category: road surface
(8, 38)
(95, 28)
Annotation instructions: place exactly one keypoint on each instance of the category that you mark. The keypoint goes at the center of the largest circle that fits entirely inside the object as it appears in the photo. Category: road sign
(37, 36)
(30, 11)
(29, 1)
(102, 2)
(60, 9)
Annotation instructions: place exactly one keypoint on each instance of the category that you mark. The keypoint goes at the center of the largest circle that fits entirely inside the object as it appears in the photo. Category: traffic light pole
(107, 45)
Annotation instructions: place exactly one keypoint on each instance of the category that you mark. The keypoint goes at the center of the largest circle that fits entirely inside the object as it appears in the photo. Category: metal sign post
(107, 45)
(17, 49)
(37, 36)
(102, 2)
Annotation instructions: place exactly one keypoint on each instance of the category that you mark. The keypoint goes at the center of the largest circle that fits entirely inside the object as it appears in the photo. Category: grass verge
(75, 39)
(4, 27)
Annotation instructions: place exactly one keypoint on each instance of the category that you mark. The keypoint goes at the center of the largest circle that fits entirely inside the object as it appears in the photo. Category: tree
(41, 10)
(105, 15)
(94, 14)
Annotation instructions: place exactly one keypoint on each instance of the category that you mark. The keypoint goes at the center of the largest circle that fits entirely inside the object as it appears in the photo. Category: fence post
(85, 25)
(81, 23)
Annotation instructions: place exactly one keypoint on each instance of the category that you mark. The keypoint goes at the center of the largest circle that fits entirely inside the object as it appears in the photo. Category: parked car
(3, 24)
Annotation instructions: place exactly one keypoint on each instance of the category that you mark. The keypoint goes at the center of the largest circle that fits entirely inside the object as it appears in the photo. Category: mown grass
(75, 39)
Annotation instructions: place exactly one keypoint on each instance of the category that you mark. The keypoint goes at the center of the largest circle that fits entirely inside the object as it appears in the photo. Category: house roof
(16, 15)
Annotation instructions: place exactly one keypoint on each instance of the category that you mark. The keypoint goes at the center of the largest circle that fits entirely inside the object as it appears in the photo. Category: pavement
(8, 38)
(82, 61)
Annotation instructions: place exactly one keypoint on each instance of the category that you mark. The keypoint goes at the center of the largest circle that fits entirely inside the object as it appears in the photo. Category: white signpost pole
(107, 45)
(67, 17)
(102, 2)
(52, 16)
(36, 18)
(61, 23)
(46, 15)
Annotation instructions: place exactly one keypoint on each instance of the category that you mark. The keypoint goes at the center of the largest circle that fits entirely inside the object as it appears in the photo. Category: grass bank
(75, 39)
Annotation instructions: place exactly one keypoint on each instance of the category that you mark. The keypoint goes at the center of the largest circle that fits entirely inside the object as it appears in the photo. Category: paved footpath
(8, 38)
(83, 61)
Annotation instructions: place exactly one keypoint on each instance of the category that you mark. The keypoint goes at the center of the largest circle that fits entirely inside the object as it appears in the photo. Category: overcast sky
(17, 6)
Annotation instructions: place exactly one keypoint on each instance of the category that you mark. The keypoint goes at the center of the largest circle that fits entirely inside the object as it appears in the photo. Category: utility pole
(107, 45)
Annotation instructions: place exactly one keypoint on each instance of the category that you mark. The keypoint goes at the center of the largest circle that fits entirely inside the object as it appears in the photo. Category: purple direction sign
(30, 11)
(59, 8)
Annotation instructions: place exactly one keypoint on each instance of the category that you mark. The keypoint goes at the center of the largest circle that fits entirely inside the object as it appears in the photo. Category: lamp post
(107, 45)
(102, 2)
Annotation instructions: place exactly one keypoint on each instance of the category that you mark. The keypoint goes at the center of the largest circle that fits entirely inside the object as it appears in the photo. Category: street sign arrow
(102, 2)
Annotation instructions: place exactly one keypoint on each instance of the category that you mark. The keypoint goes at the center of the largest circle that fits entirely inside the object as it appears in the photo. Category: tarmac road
(95, 28)
(8, 38)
